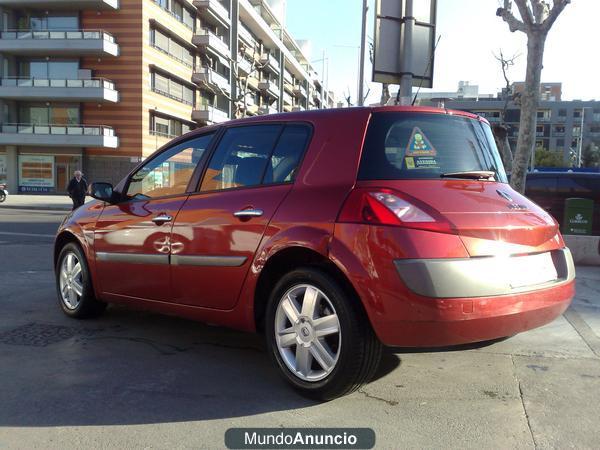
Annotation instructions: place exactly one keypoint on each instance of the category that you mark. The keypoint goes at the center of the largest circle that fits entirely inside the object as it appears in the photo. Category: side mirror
(102, 191)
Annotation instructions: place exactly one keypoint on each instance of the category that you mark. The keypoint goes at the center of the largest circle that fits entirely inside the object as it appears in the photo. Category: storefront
(44, 173)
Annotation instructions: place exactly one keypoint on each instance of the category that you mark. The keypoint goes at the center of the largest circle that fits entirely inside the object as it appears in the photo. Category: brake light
(380, 206)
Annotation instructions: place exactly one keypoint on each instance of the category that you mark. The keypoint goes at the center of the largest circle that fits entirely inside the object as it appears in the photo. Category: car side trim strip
(206, 260)
(133, 258)
(475, 277)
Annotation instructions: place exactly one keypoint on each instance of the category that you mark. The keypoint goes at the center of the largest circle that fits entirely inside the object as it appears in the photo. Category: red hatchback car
(333, 232)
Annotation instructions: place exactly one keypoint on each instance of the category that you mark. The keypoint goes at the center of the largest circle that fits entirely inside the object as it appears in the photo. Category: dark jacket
(77, 189)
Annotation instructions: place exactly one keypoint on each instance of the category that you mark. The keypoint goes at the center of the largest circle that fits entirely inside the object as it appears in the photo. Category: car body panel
(132, 251)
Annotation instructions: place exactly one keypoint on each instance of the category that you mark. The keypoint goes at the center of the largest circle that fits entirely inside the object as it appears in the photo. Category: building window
(166, 44)
(52, 69)
(180, 12)
(53, 114)
(562, 113)
(172, 88)
(48, 22)
(168, 127)
(560, 143)
(559, 129)
(576, 130)
(577, 113)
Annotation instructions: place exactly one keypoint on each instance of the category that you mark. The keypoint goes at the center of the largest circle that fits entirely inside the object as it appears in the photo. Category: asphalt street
(138, 380)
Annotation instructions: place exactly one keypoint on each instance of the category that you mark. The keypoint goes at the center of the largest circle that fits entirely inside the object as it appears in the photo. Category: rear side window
(287, 154)
(425, 146)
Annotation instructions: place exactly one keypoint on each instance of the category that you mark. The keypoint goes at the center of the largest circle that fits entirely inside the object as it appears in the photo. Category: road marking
(10, 233)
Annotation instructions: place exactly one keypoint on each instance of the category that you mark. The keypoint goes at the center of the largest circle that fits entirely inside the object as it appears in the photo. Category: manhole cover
(40, 335)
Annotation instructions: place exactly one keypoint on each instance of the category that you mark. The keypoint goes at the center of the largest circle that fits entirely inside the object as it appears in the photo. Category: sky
(470, 34)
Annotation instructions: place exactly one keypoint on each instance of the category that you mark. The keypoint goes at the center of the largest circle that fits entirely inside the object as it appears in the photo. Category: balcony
(58, 135)
(270, 62)
(269, 87)
(54, 42)
(263, 110)
(61, 4)
(298, 108)
(300, 91)
(214, 11)
(287, 77)
(246, 36)
(287, 99)
(208, 40)
(244, 66)
(214, 80)
(93, 89)
(209, 114)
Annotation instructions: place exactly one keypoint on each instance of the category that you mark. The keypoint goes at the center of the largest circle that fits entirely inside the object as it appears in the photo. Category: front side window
(241, 157)
(170, 172)
(425, 146)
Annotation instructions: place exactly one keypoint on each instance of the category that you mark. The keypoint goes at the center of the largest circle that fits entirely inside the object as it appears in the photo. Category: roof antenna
(426, 70)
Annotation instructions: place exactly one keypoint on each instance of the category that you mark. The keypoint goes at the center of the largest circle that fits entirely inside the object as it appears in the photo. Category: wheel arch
(286, 260)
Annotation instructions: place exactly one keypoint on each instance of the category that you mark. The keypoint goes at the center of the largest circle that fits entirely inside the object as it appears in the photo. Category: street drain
(40, 335)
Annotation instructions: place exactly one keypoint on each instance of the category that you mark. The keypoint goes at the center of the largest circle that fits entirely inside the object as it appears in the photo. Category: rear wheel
(74, 285)
(2, 196)
(318, 335)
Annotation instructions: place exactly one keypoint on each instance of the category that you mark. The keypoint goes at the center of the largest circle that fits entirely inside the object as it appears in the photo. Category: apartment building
(99, 85)
(560, 123)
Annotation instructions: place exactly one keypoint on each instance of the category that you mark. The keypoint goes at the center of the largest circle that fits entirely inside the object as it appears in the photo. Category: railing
(267, 58)
(56, 83)
(160, 134)
(58, 34)
(213, 76)
(300, 89)
(213, 111)
(215, 5)
(267, 110)
(54, 129)
(245, 65)
(245, 34)
(220, 42)
(288, 77)
(172, 97)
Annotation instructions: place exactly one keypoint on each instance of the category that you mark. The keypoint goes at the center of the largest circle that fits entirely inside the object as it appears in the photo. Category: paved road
(139, 380)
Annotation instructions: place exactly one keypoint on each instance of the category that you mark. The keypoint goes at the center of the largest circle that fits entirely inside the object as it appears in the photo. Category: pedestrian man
(77, 189)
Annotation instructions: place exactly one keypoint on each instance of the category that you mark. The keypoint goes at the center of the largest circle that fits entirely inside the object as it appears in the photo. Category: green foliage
(590, 156)
(546, 158)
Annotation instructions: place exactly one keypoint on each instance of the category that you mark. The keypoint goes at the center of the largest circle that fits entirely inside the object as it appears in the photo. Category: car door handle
(249, 213)
(159, 220)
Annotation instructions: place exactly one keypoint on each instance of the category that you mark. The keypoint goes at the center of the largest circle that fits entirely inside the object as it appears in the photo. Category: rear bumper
(481, 277)
(461, 321)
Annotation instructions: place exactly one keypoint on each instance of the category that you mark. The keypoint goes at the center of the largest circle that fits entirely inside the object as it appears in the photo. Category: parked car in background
(333, 232)
(551, 189)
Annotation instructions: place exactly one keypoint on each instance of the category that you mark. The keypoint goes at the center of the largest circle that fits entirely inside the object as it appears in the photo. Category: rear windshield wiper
(471, 175)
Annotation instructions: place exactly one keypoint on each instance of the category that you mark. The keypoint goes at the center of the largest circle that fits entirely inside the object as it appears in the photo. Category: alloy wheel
(71, 281)
(307, 332)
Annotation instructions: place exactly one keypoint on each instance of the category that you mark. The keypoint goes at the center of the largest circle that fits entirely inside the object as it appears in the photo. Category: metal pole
(405, 56)
(580, 146)
(361, 64)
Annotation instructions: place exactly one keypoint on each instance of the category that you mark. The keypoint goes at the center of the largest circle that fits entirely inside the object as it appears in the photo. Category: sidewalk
(39, 202)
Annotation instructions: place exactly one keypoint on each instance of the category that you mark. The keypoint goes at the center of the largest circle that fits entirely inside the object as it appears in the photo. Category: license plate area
(531, 270)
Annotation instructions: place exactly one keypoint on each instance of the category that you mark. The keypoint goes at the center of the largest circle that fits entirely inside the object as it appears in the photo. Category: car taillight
(387, 207)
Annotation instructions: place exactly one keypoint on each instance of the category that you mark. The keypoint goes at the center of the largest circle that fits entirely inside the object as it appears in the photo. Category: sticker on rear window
(419, 145)
(421, 162)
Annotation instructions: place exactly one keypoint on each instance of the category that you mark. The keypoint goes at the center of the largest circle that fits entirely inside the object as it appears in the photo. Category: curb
(37, 208)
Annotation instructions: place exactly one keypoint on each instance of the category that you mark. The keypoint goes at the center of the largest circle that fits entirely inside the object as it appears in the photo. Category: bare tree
(537, 18)
(240, 102)
(501, 129)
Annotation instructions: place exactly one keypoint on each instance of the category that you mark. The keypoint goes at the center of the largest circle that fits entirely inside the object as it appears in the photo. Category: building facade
(99, 85)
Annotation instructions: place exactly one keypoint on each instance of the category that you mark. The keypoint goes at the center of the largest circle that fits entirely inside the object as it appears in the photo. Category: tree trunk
(529, 103)
(385, 94)
(501, 138)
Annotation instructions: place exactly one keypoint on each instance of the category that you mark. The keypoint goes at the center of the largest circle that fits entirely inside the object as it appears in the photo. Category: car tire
(318, 361)
(74, 284)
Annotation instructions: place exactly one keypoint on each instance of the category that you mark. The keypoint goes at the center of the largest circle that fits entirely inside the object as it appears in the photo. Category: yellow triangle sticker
(419, 145)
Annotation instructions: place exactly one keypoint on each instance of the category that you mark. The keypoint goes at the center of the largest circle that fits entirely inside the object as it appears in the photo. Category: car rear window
(424, 146)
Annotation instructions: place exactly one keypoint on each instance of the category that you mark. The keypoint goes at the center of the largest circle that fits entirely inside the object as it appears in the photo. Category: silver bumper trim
(474, 277)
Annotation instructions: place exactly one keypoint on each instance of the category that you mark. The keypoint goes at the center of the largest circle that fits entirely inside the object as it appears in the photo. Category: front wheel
(74, 284)
(318, 335)
(2, 196)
